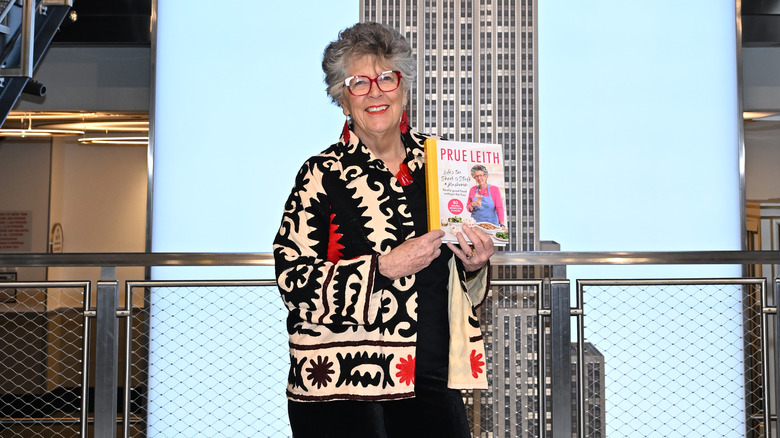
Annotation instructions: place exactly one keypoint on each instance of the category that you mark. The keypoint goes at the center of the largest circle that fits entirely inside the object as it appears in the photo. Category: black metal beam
(46, 27)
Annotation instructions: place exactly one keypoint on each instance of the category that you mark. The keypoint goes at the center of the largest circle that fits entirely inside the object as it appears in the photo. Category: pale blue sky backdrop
(638, 127)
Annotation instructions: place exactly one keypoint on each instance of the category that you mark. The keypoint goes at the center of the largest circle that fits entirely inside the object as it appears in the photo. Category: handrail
(499, 258)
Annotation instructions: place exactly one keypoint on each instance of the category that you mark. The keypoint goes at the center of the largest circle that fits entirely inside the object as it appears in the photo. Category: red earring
(404, 123)
(345, 131)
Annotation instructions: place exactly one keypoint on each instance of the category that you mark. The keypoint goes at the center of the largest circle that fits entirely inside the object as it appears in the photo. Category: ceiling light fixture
(115, 140)
(47, 115)
(34, 132)
(99, 127)
(761, 115)
(105, 126)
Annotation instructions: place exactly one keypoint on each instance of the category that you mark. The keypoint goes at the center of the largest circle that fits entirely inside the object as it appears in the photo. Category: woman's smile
(380, 109)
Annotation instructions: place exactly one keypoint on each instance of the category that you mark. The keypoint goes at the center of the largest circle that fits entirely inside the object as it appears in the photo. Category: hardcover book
(465, 187)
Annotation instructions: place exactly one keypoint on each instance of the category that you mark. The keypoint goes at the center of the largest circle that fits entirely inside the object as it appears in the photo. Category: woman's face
(480, 178)
(378, 112)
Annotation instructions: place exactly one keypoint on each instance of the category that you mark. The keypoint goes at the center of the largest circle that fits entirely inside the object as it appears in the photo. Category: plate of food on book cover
(488, 227)
(502, 236)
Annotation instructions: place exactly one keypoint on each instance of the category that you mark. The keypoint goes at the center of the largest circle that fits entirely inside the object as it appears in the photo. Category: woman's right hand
(412, 256)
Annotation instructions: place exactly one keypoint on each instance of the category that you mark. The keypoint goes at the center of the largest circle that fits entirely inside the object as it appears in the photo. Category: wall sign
(56, 239)
(15, 231)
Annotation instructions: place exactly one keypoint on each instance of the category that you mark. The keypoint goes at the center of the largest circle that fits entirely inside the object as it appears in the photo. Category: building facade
(476, 81)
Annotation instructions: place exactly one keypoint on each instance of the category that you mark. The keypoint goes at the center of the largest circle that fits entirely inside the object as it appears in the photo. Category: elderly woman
(381, 318)
(484, 201)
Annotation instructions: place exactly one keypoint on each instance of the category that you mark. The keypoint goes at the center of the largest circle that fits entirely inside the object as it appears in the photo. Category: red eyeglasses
(360, 85)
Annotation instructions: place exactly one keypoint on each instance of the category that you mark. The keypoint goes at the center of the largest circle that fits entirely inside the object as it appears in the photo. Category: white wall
(762, 161)
(98, 195)
(24, 178)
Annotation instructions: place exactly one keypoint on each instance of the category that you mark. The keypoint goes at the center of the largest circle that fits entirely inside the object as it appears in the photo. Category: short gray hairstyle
(361, 39)
(480, 168)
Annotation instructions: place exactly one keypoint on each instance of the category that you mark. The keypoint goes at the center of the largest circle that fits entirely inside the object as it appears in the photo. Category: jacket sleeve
(315, 289)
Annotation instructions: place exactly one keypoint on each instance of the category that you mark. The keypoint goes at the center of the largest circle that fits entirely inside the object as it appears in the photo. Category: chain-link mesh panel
(41, 360)
(215, 359)
(510, 407)
(211, 360)
(680, 360)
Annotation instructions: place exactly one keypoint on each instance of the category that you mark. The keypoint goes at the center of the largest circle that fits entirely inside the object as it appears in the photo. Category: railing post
(560, 358)
(776, 345)
(106, 356)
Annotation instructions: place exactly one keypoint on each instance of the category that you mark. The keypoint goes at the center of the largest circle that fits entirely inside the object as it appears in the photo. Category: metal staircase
(26, 30)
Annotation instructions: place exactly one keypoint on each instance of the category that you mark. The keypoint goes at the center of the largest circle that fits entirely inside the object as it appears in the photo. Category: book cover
(465, 187)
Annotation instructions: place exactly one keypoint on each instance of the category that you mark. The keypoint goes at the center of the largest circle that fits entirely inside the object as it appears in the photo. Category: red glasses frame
(373, 81)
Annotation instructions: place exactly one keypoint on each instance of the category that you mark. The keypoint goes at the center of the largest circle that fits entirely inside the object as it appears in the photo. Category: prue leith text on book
(470, 156)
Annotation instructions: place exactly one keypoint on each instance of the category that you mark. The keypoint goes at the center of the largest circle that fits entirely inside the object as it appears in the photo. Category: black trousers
(436, 412)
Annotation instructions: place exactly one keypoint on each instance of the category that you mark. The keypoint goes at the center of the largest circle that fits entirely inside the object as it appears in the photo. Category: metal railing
(185, 357)
(695, 350)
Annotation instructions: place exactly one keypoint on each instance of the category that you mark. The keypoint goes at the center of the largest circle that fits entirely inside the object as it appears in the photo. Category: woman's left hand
(476, 255)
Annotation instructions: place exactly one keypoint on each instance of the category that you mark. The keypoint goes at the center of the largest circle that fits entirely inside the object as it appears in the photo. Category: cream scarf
(467, 364)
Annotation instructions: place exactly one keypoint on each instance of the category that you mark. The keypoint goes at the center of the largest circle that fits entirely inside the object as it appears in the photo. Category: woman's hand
(411, 256)
(474, 257)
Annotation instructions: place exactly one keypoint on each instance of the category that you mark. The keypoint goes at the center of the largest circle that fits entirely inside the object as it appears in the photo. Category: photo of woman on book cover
(484, 200)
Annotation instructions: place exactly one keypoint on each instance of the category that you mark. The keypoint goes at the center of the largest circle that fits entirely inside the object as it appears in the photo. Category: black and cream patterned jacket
(352, 331)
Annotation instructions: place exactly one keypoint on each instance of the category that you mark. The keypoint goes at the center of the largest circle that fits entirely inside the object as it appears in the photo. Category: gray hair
(361, 39)
(479, 167)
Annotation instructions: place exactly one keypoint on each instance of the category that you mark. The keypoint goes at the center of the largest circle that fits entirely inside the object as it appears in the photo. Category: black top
(432, 317)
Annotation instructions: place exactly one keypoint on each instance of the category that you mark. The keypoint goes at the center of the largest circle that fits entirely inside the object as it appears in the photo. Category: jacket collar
(357, 152)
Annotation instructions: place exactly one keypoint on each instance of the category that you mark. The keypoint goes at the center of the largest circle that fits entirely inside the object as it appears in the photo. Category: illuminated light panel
(35, 132)
(115, 140)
